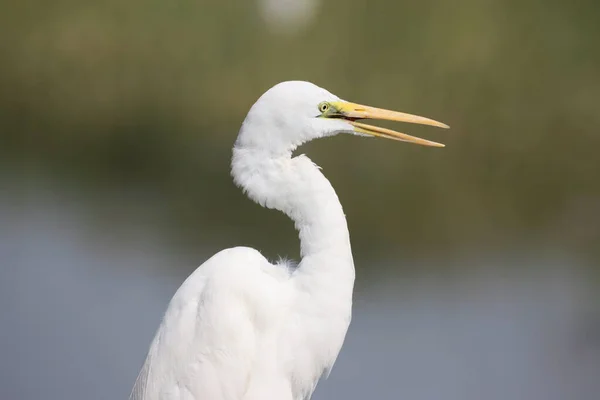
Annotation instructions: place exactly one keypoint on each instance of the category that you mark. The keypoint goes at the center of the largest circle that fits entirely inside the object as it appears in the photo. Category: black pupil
(324, 107)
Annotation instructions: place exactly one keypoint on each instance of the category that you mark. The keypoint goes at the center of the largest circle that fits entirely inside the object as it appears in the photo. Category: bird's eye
(324, 106)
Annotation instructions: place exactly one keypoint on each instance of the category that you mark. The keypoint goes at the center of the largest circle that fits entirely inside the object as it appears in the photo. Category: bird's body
(241, 328)
(225, 339)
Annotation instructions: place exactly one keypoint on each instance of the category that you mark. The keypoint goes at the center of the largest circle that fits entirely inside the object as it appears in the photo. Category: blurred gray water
(80, 305)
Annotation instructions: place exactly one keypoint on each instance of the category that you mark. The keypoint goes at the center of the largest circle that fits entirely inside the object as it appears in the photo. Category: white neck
(324, 279)
(297, 187)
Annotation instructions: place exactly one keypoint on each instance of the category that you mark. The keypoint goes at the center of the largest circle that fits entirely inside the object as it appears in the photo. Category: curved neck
(296, 187)
(323, 283)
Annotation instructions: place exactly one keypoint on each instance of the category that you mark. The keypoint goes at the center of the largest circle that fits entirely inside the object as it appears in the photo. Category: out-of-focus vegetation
(150, 94)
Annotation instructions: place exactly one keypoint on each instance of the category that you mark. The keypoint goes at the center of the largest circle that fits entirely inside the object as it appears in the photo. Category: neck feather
(296, 187)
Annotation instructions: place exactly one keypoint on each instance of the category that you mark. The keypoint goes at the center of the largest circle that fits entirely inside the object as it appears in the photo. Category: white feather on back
(207, 344)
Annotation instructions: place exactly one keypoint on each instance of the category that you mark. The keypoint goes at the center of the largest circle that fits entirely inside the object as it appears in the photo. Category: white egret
(239, 327)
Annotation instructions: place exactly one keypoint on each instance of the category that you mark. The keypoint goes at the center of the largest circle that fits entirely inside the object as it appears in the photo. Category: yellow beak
(352, 112)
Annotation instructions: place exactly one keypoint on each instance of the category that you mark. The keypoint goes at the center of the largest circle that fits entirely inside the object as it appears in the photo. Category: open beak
(353, 112)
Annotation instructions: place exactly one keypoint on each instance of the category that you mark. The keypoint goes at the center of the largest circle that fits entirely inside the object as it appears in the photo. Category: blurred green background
(116, 125)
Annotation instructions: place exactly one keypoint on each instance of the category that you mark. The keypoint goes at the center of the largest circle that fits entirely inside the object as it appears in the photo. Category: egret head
(294, 112)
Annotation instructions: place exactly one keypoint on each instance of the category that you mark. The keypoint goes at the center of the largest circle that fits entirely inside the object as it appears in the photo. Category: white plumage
(241, 328)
